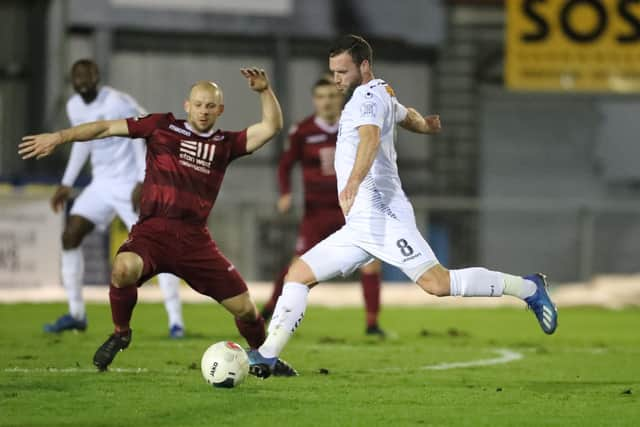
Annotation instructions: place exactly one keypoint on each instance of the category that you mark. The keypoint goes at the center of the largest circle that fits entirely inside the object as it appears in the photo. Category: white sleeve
(371, 108)
(131, 108)
(139, 153)
(400, 110)
(79, 153)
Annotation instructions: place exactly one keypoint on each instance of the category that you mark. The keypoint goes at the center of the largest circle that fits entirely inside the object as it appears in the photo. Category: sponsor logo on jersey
(390, 91)
(414, 256)
(197, 155)
(314, 139)
(179, 130)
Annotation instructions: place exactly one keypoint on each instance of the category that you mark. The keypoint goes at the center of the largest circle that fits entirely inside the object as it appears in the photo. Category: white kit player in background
(118, 170)
(380, 222)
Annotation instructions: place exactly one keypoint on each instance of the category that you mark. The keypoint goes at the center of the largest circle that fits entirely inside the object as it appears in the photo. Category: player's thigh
(75, 230)
(402, 246)
(147, 252)
(209, 272)
(337, 255)
(241, 306)
(94, 204)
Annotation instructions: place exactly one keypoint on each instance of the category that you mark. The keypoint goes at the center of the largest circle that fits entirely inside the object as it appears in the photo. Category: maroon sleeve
(287, 160)
(143, 126)
(238, 141)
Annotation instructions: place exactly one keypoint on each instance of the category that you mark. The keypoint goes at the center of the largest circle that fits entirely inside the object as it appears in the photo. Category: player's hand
(433, 123)
(257, 78)
(136, 195)
(347, 196)
(60, 197)
(38, 146)
(284, 203)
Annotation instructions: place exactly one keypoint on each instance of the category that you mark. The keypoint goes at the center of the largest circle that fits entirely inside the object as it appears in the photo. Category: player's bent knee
(300, 272)
(127, 269)
(71, 239)
(436, 281)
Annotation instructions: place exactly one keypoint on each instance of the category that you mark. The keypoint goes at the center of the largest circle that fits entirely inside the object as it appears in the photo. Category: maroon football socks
(371, 292)
(252, 331)
(123, 300)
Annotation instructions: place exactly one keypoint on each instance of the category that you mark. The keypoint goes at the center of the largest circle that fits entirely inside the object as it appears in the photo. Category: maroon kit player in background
(312, 142)
(186, 162)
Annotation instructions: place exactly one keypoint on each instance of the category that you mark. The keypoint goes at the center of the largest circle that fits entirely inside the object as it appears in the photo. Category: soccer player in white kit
(118, 169)
(379, 218)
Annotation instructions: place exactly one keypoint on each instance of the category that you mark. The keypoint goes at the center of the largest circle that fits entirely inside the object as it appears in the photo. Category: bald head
(204, 106)
(208, 88)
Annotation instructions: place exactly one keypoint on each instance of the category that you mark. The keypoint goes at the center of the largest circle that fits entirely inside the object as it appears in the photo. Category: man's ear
(365, 66)
(220, 110)
(186, 106)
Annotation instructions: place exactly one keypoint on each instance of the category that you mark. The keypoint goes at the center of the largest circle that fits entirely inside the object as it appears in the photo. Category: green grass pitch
(588, 373)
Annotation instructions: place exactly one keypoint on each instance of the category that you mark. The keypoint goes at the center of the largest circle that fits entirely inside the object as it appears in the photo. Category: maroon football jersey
(184, 168)
(313, 143)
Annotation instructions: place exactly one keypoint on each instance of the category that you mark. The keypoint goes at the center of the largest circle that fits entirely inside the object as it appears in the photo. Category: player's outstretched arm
(272, 122)
(42, 145)
(366, 154)
(415, 122)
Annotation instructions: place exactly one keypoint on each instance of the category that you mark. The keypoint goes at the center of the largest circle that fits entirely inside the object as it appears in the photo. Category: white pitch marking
(74, 370)
(506, 356)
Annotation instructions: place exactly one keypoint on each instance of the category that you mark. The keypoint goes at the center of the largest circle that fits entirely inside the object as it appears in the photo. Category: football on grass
(225, 364)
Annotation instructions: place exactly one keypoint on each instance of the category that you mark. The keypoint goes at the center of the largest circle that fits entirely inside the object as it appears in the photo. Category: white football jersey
(380, 193)
(114, 158)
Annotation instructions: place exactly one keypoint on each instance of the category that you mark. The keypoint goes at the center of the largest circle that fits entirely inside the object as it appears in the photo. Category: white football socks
(476, 282)
(286, 318)
(170, 286)
(72, 272)
(518, 286)
(480, 282)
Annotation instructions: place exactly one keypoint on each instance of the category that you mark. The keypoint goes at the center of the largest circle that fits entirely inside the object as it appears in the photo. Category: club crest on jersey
(197, 155)
(368, 109)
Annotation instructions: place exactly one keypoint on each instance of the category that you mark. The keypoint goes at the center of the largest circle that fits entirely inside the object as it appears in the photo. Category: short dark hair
(356, 46)
(322, 81)
(85, 62)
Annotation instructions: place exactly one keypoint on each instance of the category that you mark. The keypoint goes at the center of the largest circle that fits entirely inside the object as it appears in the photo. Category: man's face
(203, 108)
(84, 79)
(346, 73)
(327, 102)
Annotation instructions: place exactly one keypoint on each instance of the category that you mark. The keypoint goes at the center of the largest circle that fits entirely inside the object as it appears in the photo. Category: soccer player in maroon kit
(186, 162)
(312, 142)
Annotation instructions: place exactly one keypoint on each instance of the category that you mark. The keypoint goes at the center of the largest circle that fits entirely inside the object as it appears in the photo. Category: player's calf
(436, 281)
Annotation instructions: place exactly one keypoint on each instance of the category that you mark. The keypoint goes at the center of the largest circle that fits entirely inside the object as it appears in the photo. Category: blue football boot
(66, 323)
(176, 332)
(264, 367)
(541, 304)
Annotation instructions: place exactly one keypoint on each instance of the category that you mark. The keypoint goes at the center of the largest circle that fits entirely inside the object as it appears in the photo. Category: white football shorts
(395, 242)
(102, 200)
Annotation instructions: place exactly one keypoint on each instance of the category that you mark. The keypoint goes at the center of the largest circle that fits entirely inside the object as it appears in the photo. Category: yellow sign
(573, 45)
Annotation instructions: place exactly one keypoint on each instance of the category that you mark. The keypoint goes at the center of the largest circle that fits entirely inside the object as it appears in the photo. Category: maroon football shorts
(317, 225)
(172, 246)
